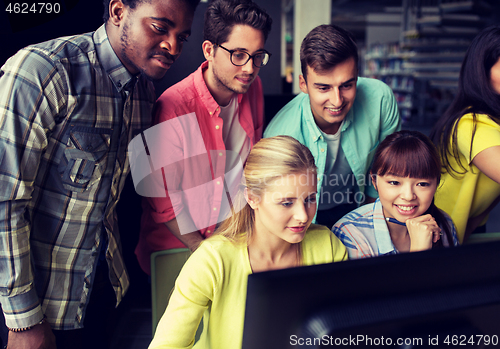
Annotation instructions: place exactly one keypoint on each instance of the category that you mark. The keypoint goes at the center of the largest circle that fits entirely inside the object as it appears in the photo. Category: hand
(38, 337)
(423, 231)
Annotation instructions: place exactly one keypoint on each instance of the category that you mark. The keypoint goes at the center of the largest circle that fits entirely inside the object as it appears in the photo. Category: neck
(399, 236)
(221, 94)
(269, 254)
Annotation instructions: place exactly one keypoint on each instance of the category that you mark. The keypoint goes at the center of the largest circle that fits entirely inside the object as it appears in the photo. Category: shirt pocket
(85, 157)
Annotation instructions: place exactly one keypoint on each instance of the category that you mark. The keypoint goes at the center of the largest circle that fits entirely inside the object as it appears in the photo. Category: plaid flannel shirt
(68, 109)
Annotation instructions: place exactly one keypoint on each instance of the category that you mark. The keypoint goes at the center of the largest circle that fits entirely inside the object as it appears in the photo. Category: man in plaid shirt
(68, 109)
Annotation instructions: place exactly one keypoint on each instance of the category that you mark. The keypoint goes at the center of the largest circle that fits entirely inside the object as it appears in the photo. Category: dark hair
(222, 15)
(326, 46)
(412, 154)
(475, 95)
(133, 4)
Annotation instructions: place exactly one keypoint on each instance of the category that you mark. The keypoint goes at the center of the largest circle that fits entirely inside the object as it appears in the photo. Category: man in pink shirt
(205, 127)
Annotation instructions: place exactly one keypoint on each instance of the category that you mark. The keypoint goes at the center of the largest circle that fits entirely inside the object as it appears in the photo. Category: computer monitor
(438, 298)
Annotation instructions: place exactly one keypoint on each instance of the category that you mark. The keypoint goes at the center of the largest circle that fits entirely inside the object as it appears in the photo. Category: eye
(423, 184)
(393, 182)
(183, 39)
(347, 86)
(323, 88)
(159, 29)
(311, 200)
(239, 55)
(287, 204)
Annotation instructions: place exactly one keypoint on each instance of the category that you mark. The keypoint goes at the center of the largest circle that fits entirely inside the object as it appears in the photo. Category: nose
(300, 214)
(248, 67)
(336, 97)
(171, 45)
(407, 192)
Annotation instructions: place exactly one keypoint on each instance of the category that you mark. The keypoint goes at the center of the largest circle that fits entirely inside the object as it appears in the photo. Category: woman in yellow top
(272, 230)
(468, 137)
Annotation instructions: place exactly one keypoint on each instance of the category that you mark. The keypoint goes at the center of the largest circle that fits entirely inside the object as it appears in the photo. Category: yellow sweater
(213, 284)
(470, 194)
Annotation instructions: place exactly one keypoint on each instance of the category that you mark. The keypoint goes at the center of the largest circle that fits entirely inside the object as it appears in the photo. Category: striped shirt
(68, 109)
(364, 232)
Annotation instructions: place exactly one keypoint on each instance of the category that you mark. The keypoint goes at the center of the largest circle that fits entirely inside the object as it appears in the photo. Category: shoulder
(219, 247)
(41, 58)
(320, 245)
(373, 92)
(373, 86)
(178, 99)
(286, 121)
(471, 120)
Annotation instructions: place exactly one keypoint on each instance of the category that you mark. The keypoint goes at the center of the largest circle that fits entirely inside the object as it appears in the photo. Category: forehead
(335, 76)
(245, 37)
(177, 11)
(293, 185)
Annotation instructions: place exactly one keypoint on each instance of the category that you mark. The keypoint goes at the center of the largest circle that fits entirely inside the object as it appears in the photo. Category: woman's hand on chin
(423, 231)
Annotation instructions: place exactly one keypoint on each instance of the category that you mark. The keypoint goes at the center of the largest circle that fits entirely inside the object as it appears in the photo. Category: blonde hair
(270, 159)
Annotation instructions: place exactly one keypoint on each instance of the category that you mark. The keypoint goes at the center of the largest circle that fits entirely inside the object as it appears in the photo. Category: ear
(303, 84)
(208, 50)
(374, 180)
(251, 199)
(116, 12)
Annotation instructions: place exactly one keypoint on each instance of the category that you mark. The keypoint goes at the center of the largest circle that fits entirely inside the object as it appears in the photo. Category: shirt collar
(117, 72)
(204, 93)
(309, 117)
(382, 235)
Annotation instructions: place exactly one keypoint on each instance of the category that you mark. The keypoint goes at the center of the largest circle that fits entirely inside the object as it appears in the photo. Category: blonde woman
(272, 231)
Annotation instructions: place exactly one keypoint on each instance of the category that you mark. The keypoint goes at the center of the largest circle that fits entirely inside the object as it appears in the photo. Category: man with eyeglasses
(223, 100)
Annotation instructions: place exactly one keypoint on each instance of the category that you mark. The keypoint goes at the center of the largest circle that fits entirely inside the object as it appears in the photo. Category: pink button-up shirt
(190, 158)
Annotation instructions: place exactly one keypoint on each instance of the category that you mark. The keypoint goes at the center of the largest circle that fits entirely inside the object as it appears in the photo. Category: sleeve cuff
(22, 310)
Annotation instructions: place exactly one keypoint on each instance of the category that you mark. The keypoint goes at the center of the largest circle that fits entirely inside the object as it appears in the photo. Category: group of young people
(333, 178)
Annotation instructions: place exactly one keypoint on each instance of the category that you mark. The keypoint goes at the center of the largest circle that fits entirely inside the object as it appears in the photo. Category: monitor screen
(437, 298)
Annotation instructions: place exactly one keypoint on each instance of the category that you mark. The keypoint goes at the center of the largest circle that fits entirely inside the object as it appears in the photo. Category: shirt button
(210, 113)
(322, 150)
(208, 231)
(218, 182)
(215, 208)
(220, 154)
(217, 127)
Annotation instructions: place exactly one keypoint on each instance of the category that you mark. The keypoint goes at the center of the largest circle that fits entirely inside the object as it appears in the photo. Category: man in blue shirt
(68, 109)
(340, 117)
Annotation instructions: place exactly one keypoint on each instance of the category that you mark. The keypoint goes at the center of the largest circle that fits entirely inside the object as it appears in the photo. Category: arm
(491, 169)
(191, 240)
(191, 297)
(38, 337)
(23, 140)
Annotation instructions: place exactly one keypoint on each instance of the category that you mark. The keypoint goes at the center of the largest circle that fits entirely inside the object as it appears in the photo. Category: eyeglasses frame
(250, 57)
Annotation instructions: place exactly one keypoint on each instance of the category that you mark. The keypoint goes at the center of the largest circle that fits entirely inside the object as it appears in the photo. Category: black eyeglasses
(239, 58)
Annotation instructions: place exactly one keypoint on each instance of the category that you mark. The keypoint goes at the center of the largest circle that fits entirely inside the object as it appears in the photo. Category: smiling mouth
(406, 208)
(334, 110)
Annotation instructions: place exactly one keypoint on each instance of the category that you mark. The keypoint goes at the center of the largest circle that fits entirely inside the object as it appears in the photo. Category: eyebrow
(169, 23)
(246, 50)
(328, 85)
